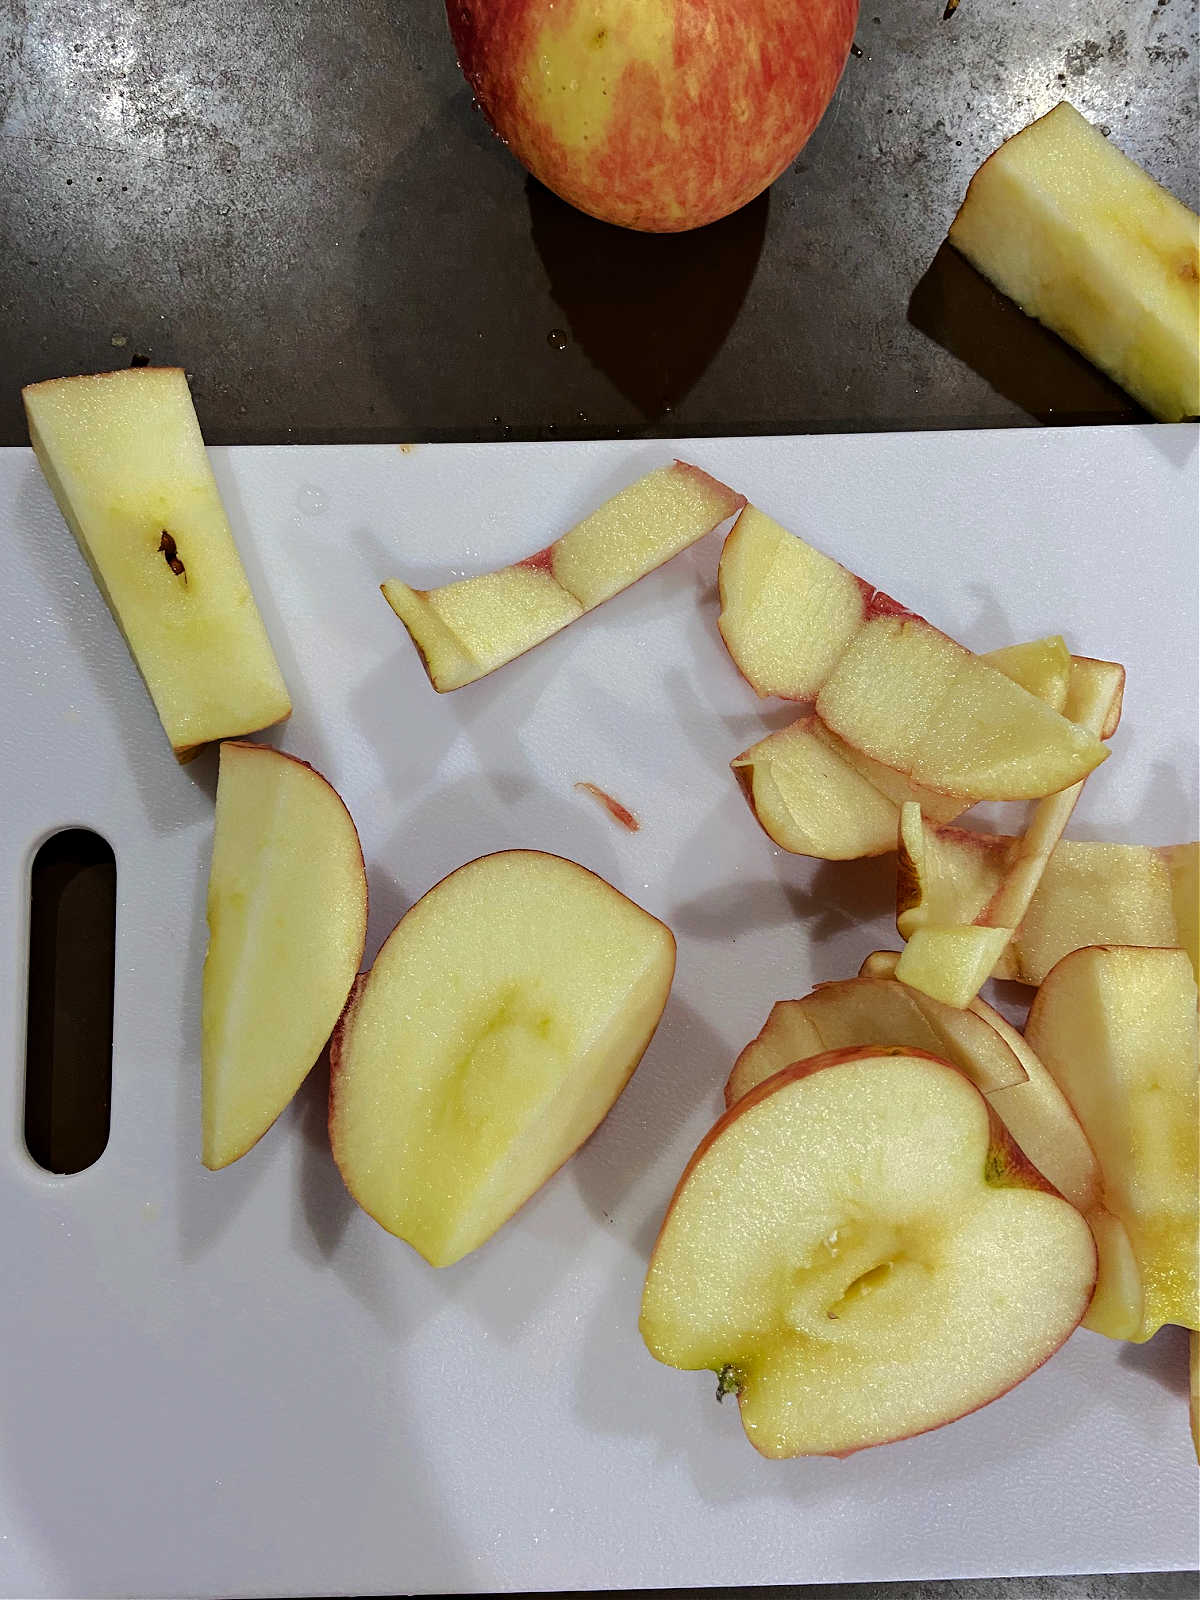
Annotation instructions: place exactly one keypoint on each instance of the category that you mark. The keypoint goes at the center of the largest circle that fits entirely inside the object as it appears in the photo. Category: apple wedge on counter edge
(467, 629)
(800, 625)
(860, 1252)
(123, 454)
(501, 1019)
(287, 919)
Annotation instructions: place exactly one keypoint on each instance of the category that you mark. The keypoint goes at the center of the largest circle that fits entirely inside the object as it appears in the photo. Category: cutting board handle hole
(69, 1032)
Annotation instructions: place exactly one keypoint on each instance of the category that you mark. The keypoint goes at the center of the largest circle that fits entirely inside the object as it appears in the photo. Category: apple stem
(730, 1380)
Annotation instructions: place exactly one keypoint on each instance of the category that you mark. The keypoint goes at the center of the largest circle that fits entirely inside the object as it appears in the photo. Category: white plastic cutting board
(236, 1383)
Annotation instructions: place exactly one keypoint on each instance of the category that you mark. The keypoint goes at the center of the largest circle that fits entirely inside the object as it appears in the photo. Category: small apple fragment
(867, 1011)
(501, 1019)
(1065, 224)
(1117, 1029)
(287, 919)
(467, 629)
(123, 454)
(861, 1253)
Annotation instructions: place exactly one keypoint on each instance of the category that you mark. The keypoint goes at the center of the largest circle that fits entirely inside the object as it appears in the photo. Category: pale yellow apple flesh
(867, 1011)
(860, 1252)
(1043, 666)
(287, 917)
(1065, 224)
(910, 697)
(467, 629)
(1117, 1029)
(953, 962)
(123, 454)
(501, 1019)
(1033, 1109)
(1091, 892)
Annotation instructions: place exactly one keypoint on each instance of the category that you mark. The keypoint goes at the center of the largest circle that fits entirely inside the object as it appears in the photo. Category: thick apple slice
(910, 697)
(1117, 1029)
(467, 629)
(866, 1011)
(861, 1253)
(953, 963)
(287, 917)
(501, 1019)
(1085, 241)
(123, 455)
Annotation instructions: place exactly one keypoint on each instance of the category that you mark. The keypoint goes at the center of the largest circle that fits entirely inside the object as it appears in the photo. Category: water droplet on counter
(311, 500)
(557, 339)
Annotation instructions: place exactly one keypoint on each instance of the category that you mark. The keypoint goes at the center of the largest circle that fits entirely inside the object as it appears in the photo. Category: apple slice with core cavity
(287, 918)
(869, 1011)
(860, 1252)
(952, 963)
(1065, 224)
(501, 1019)
(467, 629)
(1117, 1029)
(123, 454)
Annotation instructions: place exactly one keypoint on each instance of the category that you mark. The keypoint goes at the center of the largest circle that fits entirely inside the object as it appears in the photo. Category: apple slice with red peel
(1117, 1029)
(467, 629)
(870, 1011)
(1033, 1109)
(501, 1019)
(860, 1252)
(916, 701)
(287, 918)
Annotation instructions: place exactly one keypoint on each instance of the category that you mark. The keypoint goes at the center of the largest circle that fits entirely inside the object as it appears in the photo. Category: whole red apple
(655, 114)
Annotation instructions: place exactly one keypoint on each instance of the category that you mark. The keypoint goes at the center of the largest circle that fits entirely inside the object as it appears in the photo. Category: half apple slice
(287, 918)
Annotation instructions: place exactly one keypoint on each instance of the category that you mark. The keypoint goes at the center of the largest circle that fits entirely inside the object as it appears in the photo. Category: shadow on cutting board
(957, 307)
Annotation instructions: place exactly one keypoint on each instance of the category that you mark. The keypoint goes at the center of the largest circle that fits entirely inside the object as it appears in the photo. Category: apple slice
(910, 697)
(1085, 241)
(867, 1011)
(1033, 1108)
(123, 454)
(1117, 1029)
(953, 963)
(287, 918)
(501, 1019)
(1043, 666)
(467, 629)
(1183, 868)
(861, 1253)
(1092, 892)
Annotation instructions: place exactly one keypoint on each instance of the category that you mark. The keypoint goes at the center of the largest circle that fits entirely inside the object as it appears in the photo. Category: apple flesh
(659, 116)
(287, 918)
(467, 629)
(887, 683)
(123, 455)
(861, 1253)
(866, 1011)
(1085, 241)
(1117, 1029)
(501, 1019)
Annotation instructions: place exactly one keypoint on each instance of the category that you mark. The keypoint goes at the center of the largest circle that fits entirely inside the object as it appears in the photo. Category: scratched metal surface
(298, 203)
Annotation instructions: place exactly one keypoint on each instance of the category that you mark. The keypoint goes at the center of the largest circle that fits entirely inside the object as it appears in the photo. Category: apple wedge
(467, 629)
(1117, 1029)
(859, 1251)
(815, 795)
(501, 1019)
(952, 963)
(1091, 892)
(123, 454)
(1085, 241)
(287, 918)
(867, 1011)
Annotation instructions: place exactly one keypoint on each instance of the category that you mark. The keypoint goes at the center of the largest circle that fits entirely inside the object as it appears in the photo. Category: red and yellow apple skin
(658, 115)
